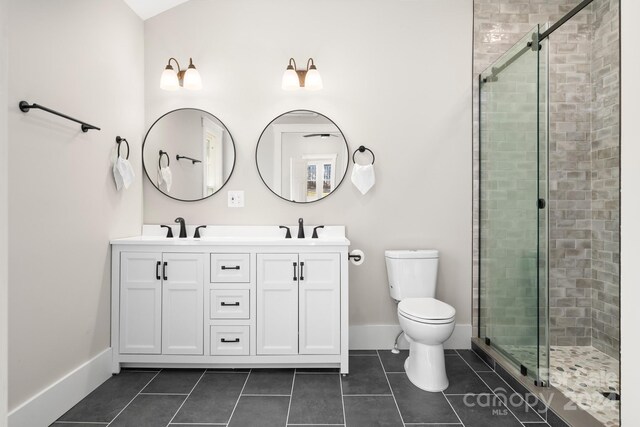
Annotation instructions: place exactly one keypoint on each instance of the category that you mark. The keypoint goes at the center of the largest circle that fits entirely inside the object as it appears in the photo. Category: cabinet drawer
(230, 268)
(229, 304)
(230, 340)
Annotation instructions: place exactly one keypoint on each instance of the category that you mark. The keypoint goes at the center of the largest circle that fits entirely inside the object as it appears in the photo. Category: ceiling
(148, 8)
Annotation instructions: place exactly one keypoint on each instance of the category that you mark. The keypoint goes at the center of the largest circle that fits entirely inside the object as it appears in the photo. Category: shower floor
(581, 373)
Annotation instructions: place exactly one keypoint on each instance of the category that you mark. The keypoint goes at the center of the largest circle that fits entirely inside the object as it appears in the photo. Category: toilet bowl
(427, 324)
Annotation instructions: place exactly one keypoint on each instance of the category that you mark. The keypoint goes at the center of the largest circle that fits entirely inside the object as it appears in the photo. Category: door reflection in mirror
(302, 156)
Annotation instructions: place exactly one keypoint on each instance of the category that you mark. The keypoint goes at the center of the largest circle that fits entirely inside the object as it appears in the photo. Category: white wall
(397, 78)
(3, 214)
(83, 58)
(630, 235)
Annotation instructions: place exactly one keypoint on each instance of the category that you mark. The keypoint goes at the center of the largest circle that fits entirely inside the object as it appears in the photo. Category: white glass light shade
(313, 81)
(192, 80)
(169, 80)
(290, 79)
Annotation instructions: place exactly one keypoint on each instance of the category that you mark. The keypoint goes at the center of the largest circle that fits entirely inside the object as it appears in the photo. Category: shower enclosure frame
(541, 377)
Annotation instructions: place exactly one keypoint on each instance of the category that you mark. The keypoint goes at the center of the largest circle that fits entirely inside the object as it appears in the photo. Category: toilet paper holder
(355, 257)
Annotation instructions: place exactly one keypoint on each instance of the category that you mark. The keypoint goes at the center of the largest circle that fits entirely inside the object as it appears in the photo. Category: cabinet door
(182, 304)
(277, 298)
(319, 292)
(140, 303)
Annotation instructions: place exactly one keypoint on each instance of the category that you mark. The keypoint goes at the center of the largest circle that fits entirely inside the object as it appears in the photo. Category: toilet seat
(426, 310)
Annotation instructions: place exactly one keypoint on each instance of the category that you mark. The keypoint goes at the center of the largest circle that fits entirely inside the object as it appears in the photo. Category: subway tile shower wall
(583, 159)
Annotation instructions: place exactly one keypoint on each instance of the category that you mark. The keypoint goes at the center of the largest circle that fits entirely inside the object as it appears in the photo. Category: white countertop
(217, 235)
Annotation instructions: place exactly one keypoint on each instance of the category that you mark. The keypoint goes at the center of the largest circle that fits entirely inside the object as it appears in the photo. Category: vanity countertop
(237, 236)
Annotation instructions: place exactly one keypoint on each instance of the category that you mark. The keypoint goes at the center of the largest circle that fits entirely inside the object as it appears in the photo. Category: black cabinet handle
(225, 340)
(230, 304)
(302, 271)
(158, 270)
(295, 271)
(224, 267)
(164, 271)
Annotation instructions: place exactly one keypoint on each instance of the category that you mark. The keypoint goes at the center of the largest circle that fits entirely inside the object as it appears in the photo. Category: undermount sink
(232, 234)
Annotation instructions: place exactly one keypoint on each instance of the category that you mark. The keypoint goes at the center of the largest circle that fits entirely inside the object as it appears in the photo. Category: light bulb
(169, 79)
(192, 80)
(313, 81)
(290, 79)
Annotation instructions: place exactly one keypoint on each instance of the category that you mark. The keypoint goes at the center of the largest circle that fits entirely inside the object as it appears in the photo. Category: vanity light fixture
(294, 79)
(189, 78)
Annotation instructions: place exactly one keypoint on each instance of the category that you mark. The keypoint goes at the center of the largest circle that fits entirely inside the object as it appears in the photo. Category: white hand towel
(363, 177)
(117, 175)
(123, 173)
(165, 179)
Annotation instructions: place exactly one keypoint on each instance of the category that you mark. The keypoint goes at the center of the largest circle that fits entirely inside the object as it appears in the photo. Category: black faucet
(183, 228)
(196, 235)
(300, 228)
(288, 235)
(315, 231)
(169, 231)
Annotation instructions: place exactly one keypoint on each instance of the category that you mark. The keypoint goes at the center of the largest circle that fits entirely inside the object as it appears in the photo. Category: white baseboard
(48, 405)
(381, 337)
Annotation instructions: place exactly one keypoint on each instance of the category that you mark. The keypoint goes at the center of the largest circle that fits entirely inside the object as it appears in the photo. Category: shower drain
(610, 395)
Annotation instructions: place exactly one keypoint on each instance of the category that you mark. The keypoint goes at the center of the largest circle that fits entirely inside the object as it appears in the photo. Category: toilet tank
(412, 273)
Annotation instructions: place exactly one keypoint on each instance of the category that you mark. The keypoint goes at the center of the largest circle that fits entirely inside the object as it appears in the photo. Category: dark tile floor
(375, 393)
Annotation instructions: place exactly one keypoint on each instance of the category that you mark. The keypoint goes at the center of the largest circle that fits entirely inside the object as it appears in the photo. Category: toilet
(426, 322)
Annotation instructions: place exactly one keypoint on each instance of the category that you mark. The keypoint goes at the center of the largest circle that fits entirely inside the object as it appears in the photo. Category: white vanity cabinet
(256, 300)
(161, 303)
(298, 303)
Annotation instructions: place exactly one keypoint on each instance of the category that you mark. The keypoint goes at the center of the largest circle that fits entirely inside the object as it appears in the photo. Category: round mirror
(302, 156)
(188, 154)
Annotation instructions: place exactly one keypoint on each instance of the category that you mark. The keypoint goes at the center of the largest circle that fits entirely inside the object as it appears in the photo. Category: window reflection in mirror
(302, 156)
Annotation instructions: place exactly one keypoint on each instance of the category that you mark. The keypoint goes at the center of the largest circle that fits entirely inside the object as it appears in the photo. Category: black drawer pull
(295, 271)
(302, 271)
(158, 270)
(229, 304)
(224, 267)
(224, 340)
(164, 271)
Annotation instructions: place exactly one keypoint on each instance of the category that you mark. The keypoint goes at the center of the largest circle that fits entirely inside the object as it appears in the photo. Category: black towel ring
(163, 153)
(362, 149)
(119, 141)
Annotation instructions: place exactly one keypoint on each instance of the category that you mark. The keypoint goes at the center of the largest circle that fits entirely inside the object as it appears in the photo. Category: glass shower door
(512, 212)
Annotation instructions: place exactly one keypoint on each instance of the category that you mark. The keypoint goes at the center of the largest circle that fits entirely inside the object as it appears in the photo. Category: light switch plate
(235, 199)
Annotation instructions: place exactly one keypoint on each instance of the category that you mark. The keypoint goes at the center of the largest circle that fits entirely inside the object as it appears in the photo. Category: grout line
(452, 408)
(368, 395)
(389, 384)
(79, 422)
(164, 394)
(344, 411)
(541, 401)
(186, 398)
(493, 393)
(270, 395)
(134, 397)
(239, 396)
(291, 396)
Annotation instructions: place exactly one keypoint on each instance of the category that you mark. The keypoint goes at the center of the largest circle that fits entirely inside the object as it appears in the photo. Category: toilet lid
(426, 310)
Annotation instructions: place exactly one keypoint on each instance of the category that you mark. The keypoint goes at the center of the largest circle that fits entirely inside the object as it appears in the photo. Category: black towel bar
(25, 107)
(362, 149)
(163, 153)
(119, 141)
(194, 161)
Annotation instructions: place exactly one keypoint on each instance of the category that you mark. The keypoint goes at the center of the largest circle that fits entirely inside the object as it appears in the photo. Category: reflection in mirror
(302, 156)
(188, 154)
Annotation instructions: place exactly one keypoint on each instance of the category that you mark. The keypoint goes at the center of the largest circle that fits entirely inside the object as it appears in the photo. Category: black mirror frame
(233, 143)
(345, 143)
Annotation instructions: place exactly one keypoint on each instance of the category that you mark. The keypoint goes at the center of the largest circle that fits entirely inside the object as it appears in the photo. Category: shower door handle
(541, 203)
